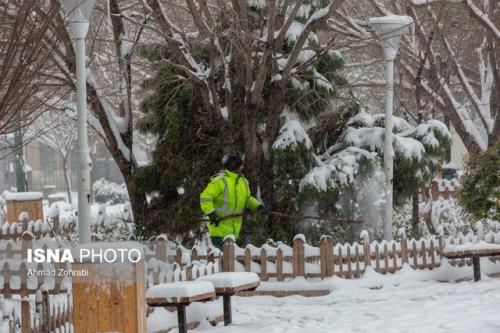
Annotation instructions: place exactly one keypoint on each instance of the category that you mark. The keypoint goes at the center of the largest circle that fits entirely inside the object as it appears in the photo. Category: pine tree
(219, 89)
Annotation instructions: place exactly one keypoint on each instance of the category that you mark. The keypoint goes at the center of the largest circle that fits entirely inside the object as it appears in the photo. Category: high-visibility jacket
(228, 193)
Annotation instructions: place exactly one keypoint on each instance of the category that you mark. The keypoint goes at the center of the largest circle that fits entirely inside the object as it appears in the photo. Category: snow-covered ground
(413, 306)
(408, 301)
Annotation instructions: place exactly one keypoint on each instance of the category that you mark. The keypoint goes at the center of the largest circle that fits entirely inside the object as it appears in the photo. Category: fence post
(298, 255)
(279, 265)
(263, 265)
(322, 256)
(26, 244)
(161, 250)
(26, 316)
(326, 256)
(366, 248)
(404, 246)
(178, 256)
(228, 254)
(45, 311)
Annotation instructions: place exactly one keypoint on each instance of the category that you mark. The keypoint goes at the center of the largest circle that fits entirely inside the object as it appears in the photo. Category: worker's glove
(214, 219)
(262, 210)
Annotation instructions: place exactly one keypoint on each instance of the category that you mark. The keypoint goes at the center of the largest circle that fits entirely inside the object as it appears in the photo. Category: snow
(258, 4)
(224, 112)
(407, 301)
(304, 11)
(294, 31)
(299, 236)
(373, 140)
(126, 47)
(180, 289)
(364, 234)
(22, 196)
(230, 279)
(291, 135)
(318, 14)
(322, 81)
(409, 147)
(338, 170)
(305, 56)
(470, 246)
(391, 19)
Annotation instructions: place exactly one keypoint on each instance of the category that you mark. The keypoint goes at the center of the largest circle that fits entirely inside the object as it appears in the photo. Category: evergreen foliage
(192, 138)
(185, 151)
(480, 191)
(348, 182)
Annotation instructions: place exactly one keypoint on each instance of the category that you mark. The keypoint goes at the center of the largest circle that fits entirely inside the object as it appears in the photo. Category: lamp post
(79, 12)
(389, 30)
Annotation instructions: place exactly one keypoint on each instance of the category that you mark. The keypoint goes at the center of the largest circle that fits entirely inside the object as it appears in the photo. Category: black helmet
(231, 162)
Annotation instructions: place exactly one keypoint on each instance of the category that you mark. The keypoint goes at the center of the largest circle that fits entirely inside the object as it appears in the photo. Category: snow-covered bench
(474, 251)
(180, 294)
(227, 284)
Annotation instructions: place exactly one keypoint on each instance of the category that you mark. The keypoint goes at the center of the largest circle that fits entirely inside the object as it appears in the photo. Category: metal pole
(83, 158)
(388, 149)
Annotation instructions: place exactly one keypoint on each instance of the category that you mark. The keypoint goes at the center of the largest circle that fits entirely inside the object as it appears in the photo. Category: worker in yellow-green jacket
(226, 198)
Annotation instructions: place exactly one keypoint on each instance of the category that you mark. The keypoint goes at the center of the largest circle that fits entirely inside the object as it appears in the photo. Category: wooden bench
(180, 294)
(472, 251)
(227, 284)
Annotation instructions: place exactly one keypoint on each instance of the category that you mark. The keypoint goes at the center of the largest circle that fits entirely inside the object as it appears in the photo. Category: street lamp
(79, 12)
(389, 30)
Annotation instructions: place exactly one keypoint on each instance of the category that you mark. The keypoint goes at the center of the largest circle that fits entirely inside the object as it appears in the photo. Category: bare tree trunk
(415, 214)
(251, 144)
(67, 179)
(427, 196)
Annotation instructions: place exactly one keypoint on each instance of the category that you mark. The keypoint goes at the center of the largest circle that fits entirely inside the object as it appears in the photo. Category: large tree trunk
(138, 202)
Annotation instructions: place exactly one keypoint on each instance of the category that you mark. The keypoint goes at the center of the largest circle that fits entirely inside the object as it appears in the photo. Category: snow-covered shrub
(348, 180)
(109, 193)
(446, 213)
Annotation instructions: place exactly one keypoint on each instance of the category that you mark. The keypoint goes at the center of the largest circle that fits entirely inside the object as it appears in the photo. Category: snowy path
(414, 306)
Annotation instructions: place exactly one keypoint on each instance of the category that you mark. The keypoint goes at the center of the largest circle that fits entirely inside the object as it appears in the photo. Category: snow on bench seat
(232, 281)
(180, 292)
(227, 284)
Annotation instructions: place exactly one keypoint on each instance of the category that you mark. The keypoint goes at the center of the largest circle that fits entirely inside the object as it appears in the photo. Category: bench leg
(476, 268)
(228, 316)
(181, 317)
